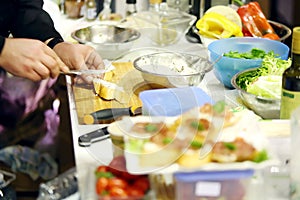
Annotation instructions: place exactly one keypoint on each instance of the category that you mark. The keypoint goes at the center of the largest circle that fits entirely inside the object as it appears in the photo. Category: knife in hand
(94, 136)
(111, 114)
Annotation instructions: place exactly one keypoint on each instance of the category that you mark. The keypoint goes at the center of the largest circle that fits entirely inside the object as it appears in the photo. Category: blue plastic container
(172, 101)
(225, 67)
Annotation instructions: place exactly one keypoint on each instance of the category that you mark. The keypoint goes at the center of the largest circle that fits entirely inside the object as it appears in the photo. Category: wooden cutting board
(124, 75)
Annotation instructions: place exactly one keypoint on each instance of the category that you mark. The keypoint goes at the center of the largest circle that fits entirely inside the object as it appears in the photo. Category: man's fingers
(58, 62)
(95, 61)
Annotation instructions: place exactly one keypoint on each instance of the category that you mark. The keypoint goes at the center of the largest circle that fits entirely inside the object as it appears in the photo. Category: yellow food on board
(217, 26)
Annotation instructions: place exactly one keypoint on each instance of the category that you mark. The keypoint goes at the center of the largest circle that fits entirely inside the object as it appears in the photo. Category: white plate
(247, 128)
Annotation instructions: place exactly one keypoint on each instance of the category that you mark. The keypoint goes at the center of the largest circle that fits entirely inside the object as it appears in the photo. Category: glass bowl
(165, 27)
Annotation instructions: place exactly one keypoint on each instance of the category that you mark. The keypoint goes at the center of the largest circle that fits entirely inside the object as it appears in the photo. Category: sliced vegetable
(266, 86)
(266, 80)
(151, 128)
(254, 22)
(197, 125)
(219, 107)
(215, 25)
(196, 144)
(261, 156)
(230, 145)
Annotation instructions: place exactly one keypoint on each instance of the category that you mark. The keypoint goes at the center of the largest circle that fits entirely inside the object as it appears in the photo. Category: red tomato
(102, 168)
(142, 183)
(101, 185)
(271, 36)
(135, 192)
(117, 182)
(117, 192)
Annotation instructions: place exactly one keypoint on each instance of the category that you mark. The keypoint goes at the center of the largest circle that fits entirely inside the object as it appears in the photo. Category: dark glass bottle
(290, 96)
(131, 7)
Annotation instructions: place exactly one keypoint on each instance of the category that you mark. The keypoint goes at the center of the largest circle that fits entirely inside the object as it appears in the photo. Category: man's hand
(79, 56)
(30, 59)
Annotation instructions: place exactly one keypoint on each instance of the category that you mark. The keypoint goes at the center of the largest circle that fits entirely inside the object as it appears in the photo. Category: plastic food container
(227, 185)
(172, 101)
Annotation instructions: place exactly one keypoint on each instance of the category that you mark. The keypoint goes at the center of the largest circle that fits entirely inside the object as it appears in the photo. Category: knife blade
(94, 136)
(108, 67)
(111, 114)
(81, 72)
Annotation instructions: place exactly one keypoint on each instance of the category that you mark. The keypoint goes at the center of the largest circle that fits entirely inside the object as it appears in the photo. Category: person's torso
(7, 14)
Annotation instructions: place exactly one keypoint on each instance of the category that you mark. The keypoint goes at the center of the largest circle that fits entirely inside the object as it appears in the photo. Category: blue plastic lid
(213, 175)
(172, 101)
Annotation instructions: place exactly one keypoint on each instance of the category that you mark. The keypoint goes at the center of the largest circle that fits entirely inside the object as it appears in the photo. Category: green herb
(238, 2)
(219, 107)
(167, 140)
(255, 53)
(230, 146)
(104, 174)
(151, 128)
(135, 145)
(261, 156)
(196, 144)
(197, 125)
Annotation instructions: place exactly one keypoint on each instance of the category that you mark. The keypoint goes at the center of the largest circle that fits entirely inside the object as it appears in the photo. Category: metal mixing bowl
(172, 69)
(110, 41)
(265, 107)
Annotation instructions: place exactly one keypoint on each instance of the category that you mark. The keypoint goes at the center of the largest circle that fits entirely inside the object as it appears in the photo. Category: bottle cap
(155, 1)
(131, 1)
(296, 40)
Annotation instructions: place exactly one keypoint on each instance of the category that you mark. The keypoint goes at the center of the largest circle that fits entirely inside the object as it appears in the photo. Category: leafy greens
(255, 53)
(265, 81)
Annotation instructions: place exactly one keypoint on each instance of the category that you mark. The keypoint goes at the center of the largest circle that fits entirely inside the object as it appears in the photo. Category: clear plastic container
(227, 185)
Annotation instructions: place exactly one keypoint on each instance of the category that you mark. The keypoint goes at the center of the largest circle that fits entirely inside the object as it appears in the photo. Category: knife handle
(94, 136)
(111, 113)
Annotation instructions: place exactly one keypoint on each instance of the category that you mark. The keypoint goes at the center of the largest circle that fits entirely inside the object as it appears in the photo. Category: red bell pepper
(254, 22)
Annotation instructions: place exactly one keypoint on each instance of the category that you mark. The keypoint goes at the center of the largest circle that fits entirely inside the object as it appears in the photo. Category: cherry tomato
(101, 185)
(117, 192)
(117, 182)
(102, 168)
(271, 36)
(135, 192)
(142, 183)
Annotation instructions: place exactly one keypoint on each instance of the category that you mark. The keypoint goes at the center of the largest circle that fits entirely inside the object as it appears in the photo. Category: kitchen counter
(87, 158)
